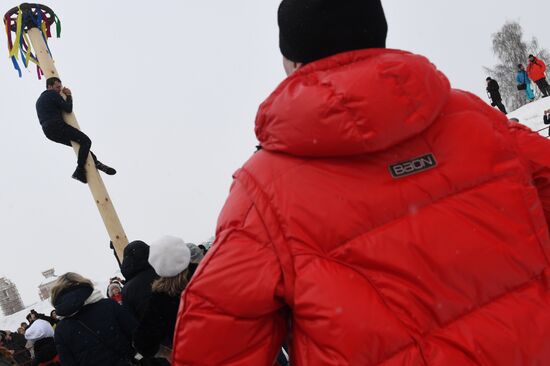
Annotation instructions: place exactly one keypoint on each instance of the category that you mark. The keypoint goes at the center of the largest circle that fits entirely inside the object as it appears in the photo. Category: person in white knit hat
(41, 334)
(170, 257)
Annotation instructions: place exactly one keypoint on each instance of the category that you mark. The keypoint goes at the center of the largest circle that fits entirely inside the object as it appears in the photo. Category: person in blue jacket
(524, 83)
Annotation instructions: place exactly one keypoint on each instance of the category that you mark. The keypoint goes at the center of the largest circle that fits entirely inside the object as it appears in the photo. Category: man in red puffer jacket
(387, 220)
(536, 70)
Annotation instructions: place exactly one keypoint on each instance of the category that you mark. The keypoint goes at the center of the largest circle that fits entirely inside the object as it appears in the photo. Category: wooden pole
(99, 192)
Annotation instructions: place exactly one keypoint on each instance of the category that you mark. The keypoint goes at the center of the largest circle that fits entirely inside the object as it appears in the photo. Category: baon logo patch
(413, 166)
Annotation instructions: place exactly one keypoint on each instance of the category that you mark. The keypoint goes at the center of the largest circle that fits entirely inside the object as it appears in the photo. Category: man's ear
(291, 66)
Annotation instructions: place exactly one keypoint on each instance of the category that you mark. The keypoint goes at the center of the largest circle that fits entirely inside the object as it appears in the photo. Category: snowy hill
(531, 115)
(12, 322)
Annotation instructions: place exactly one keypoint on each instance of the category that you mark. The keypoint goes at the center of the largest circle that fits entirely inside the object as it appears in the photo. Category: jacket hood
(136, 259)
(71, 300)
(39, 329)
(352, 103)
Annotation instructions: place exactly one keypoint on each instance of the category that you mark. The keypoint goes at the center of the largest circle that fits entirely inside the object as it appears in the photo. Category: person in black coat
(170, 257)
(45, 351)
(33, 315)
(49, 108)
(93, 330)
(139, 277)
(494, 94)
(41, 334)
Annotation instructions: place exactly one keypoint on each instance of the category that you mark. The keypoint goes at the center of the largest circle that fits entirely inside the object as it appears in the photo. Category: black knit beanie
(313, 29)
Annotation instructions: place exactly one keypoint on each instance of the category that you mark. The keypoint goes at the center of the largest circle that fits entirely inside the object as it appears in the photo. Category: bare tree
(511, 50)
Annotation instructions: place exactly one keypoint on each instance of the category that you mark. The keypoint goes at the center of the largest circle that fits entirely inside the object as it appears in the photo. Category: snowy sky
(168, 96)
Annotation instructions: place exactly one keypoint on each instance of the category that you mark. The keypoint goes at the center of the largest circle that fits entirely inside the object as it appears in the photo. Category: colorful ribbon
(19, 46)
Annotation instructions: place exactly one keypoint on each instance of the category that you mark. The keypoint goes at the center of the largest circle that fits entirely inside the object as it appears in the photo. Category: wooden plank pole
(97, 187)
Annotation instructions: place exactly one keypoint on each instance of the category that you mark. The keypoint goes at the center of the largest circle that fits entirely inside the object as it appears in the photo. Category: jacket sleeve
(49, 319)
(232, 311)
(65, 105)
(535, 149)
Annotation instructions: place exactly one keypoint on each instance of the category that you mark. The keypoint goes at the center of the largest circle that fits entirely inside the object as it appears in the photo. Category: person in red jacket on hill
(386, 219)
(536, 71)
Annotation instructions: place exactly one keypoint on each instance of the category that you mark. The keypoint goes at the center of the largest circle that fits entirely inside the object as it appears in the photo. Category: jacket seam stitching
(275, 215)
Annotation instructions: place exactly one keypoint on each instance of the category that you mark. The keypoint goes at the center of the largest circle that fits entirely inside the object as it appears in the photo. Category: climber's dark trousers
(63, 133)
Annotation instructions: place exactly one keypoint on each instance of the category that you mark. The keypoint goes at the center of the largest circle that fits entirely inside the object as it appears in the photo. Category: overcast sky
(168, 93)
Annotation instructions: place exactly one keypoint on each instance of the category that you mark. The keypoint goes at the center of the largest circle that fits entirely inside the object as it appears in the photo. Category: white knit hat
(39, 329)
(169, 256)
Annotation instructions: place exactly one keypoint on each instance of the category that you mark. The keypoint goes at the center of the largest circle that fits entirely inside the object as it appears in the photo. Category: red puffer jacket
(388, 220)
(536, 69)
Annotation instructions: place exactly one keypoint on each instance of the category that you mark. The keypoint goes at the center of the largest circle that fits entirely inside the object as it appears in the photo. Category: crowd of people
(536, 72)
(364, 230)
(133, 324)
(32, 343)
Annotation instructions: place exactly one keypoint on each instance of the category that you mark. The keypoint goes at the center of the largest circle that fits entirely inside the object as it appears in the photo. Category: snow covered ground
(531, 115)
(13, 321)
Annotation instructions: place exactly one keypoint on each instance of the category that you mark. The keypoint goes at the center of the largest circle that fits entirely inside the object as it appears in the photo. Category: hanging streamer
(57, 26)
(8, 32)
(27, 45)
(16, 65)
(23, 58)
(19, 26)
(18, 21)
(44, 27)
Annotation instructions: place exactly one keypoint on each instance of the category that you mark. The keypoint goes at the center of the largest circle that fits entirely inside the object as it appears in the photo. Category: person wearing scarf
(93, 330)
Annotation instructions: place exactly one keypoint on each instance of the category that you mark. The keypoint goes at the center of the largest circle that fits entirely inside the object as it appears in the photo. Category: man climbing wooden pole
(31, 25)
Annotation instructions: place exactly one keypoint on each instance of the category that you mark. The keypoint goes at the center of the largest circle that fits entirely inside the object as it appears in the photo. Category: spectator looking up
(170, 257)
(388, 219)
(139, 277)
